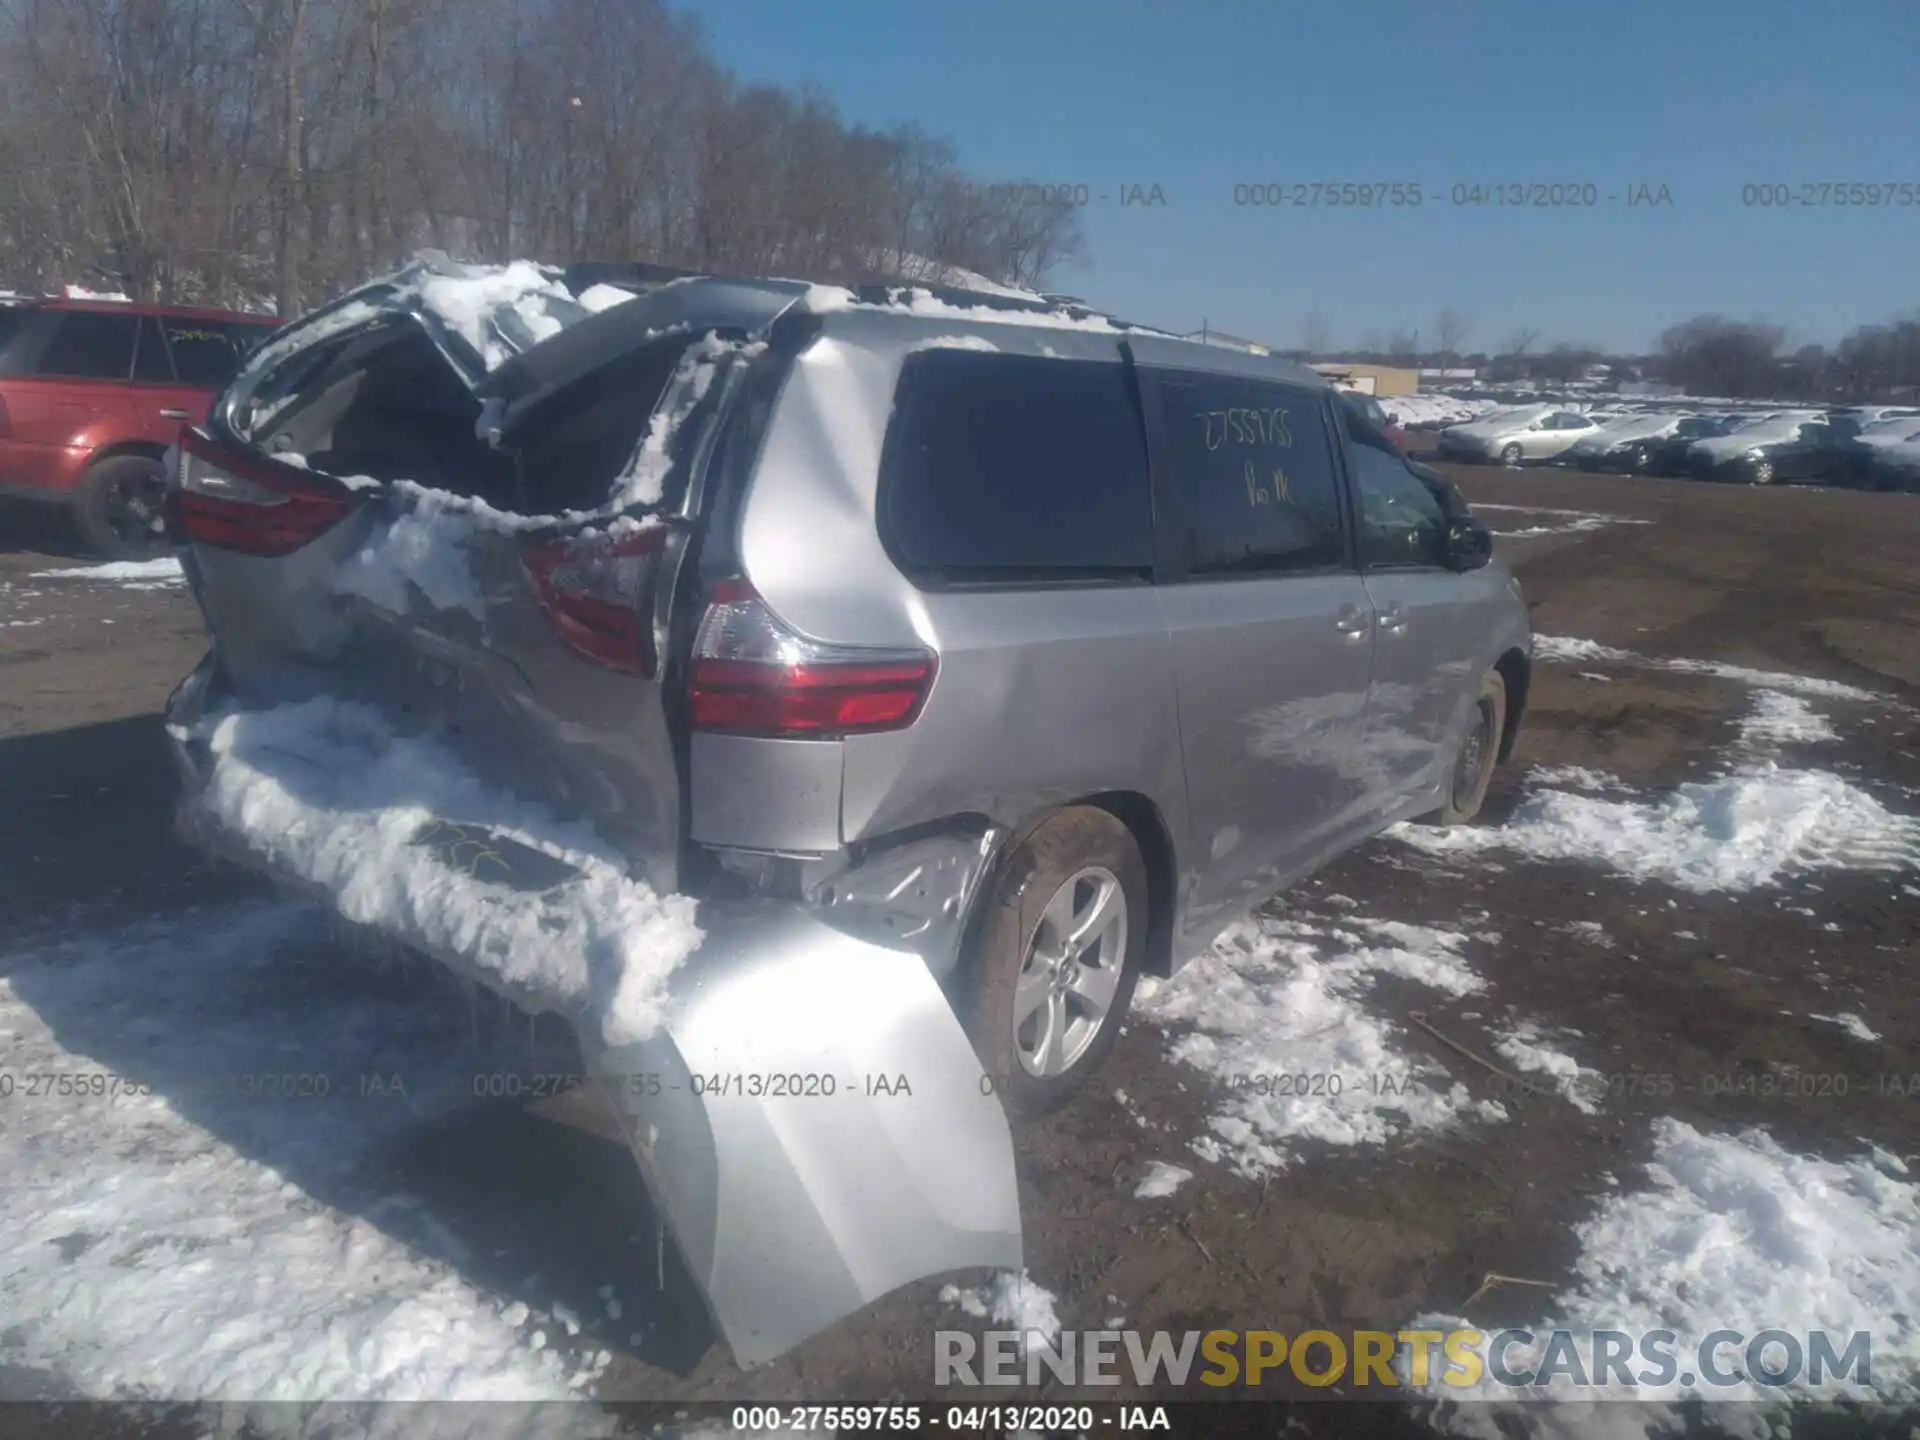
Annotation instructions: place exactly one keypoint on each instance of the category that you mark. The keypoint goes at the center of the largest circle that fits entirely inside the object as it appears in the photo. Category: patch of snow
(1581, 526)
(158, 574)
(470, 305)
(1526, 1049)
(596, 298)
(1733, 1233)
(1274, 1013)
(1010, 1301)
(1161, 1180)
(1852, 1024)
(1567, 648)
(326, 792)
(180, 1237)
(1781, 719)
(1570, 647)
(823, 299)
(955, 342)
(1574, 777)
(1733, 833)
(1596, 675)
(643, 482)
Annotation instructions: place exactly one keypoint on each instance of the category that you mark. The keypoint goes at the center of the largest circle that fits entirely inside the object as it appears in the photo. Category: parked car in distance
(1623, 446)
(1897, 467)
(1669, 457)
(1783, 447)
(92, 392)
(1533, 432)
(1033, 648)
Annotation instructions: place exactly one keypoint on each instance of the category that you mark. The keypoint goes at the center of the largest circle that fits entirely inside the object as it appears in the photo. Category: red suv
(91, 395)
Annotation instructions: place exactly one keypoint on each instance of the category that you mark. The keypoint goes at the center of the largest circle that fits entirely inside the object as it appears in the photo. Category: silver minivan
(963, 658)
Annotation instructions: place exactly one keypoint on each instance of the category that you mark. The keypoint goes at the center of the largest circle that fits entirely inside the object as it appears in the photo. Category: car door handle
(1352, 621)
(175, 415)
(1393, 620)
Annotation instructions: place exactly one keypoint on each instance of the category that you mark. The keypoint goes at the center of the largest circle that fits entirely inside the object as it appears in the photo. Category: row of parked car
(1865, 447)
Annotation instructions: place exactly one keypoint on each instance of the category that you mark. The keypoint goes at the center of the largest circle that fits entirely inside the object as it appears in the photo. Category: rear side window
(91, 345)
(1008, 467)
(207, 353)
(1256, 463)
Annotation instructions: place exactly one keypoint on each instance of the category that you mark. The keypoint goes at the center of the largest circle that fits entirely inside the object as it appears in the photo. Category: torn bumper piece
(810, 1117)
(813, 1124)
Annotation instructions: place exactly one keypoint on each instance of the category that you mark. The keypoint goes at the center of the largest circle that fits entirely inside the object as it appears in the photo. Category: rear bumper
(809, 1116)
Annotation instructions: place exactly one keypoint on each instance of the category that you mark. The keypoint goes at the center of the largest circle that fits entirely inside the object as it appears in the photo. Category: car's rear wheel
(119, 508)
(1760, 470)
(1510, 454)
(1474, 758)
(1055, 957)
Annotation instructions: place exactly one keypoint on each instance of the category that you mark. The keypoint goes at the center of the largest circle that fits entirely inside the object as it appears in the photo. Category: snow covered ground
(199, 1201)
(1730, 1232)
(1276, 1015)
(161, 574)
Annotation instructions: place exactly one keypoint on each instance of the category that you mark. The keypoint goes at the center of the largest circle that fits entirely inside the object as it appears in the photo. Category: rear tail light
(6, 420)
(595, 590)
(238, 500)
(751, 675)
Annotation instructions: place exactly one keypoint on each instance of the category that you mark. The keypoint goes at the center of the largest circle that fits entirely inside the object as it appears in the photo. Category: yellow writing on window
(1277, 487)
(1245, 427)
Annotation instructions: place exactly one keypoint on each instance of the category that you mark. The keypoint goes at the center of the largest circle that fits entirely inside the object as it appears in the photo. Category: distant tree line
(272, 153)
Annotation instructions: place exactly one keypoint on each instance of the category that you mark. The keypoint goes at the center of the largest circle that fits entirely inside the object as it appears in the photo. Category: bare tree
(248, 152)
(1315, 337)
(1519, 342)
(1450, 332)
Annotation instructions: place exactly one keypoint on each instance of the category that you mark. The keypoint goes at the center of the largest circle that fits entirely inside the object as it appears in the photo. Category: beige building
(1373, 379)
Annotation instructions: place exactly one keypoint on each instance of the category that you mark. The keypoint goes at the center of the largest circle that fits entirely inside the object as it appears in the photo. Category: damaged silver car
(831, 701)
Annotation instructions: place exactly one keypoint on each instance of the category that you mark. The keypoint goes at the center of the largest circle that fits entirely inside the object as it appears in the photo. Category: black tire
(117, 508)
(1511, 455)
(1474, 759)
(1760, 472)
(1068, 843)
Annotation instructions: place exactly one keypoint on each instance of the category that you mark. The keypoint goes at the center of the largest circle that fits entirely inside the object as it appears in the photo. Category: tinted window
(1256, 463)
(1004, 466)
(150, 354)
(1402, 521)
(208, 352)
(90, 345)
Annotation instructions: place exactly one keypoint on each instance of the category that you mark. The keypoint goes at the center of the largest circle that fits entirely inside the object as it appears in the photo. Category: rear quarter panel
(1043, 695)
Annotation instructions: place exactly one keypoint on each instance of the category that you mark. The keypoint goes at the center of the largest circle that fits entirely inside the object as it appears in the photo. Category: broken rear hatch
(438, 530)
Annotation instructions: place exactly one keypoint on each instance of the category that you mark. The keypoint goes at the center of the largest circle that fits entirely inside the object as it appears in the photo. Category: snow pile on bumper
(401, 837)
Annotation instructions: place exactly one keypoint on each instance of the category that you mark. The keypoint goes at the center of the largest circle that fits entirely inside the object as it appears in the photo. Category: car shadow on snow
(448, 1122)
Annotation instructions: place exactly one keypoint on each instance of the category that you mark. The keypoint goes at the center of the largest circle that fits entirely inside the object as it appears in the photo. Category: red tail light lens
(6, 420)
(237, 500)
(596, 590)
(751, 675)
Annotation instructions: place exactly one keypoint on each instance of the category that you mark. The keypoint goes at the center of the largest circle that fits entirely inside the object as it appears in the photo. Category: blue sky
(1198, 96)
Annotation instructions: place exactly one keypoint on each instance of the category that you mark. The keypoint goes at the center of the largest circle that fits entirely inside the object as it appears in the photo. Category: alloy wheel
(135, 511)
(1065, 991)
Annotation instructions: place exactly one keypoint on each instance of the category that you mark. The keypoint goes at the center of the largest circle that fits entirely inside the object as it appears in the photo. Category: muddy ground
(1815, 582)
